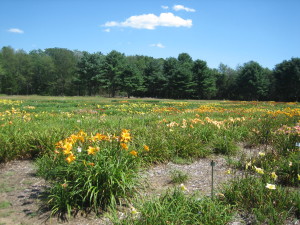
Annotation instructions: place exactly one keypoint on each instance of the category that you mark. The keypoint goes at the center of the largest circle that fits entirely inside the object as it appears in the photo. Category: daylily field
(91, 150)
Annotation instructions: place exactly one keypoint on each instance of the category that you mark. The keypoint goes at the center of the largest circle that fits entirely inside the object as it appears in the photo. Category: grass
(5, 204)
(4, 188)
(178, 177)
(175, 207)
(178, 131)
(5, 214)
(267, 205)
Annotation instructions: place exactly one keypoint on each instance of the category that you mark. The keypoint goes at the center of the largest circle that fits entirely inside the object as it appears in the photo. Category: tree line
(59, 71)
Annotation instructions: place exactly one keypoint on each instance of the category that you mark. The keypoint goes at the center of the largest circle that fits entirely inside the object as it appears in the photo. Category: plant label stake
(212, 163)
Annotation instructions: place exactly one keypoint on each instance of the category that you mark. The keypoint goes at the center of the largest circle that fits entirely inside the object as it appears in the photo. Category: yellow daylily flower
(274, 176)
(248, 164)
(124, 146)
(92, 150)
(183, 187)
(271, 186)
(259, 170)
(71, 158)
(134, 153)
(133, 210)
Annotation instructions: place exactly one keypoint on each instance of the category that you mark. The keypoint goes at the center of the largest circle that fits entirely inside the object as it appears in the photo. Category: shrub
(174, 207)
(90, 172)
(268, 205)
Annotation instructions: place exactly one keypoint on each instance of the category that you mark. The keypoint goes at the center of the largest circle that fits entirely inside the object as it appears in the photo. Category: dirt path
(20, 198)
(19, 193)
(199, 175)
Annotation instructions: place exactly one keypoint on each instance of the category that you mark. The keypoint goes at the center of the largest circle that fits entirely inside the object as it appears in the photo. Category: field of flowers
(91, 150)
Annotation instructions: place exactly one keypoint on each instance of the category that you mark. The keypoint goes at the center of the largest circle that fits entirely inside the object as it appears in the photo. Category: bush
(174, 207)
(269, 206)
(90, 172)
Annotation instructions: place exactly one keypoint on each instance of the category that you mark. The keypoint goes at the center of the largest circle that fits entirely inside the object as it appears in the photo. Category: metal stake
(212, 163)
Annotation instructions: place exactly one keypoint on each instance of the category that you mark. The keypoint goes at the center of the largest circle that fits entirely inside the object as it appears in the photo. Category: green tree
(43, 73)
(253, 82)
(9, 70)
(88, 68)
(111, 69)
(226, 82)
(131, 80)
(169, 70)
(65, 67)
(155, 81)
(287, 80)
(23, 72)
(184, 82)
(205, 80)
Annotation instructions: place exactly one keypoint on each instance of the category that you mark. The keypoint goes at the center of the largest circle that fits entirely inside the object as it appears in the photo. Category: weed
(270, 206)
(178, 177)
(5, 188)
(4, 205)
(174, 207)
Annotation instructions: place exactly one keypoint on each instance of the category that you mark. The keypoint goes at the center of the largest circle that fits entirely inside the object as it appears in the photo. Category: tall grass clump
(175, 207)
(269, 204)
(90, 172)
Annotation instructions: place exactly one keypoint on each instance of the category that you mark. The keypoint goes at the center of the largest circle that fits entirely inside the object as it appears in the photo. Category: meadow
(91, 150)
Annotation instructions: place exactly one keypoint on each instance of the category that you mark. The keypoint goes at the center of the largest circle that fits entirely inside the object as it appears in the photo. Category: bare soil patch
(158, 178)
(21, 198)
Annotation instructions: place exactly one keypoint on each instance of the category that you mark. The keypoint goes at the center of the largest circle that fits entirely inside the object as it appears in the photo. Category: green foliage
(205, 80)
(224, 145)
(5, 204)
(88, 68)
(94, 181)
(59, 71)
(253, 82)
(286, 168)
(178, 177)
(268, 206)
(287, 80)
(174, 207)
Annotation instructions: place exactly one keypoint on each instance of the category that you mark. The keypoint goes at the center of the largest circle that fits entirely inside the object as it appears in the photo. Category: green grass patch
(269, 206)
(4, 205)
(175, 207)
(178, 177)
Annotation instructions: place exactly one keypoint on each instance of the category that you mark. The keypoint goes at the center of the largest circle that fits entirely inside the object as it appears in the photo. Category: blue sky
(229, 31)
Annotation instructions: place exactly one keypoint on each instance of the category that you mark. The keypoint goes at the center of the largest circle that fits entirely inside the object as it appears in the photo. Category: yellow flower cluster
(68, 144)
(290, 112)
(74, 143)
(14, 114)
(29, 107)
(9, 102)
(125, 136)
(218, 124)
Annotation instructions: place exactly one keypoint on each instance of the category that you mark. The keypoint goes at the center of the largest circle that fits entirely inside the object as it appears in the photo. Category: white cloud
(151, 21)
(165, 7)
(158, 45)
(107, 30)
(181, 7)
(15, 30)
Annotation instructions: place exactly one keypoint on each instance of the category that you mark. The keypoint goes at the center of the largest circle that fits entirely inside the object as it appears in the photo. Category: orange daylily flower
(134, 153)
(92, 150)
(71, 158)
